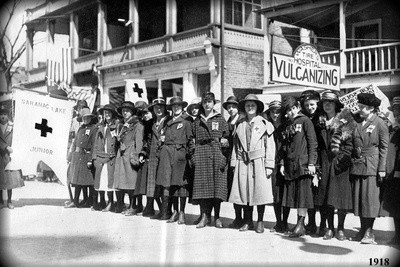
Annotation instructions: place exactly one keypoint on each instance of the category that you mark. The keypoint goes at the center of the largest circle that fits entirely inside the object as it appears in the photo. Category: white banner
(41, 129)
(135, 90)
(83, 93)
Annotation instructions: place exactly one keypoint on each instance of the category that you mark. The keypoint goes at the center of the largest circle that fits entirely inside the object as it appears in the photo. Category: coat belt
(248, 156)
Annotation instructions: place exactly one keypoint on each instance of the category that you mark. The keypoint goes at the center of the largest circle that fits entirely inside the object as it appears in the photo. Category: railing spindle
(389, 58)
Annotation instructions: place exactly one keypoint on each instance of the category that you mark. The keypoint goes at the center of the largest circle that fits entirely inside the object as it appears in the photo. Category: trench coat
(369, 158)
(104, 152)
(130, 145)
(9, 179)
(251, 155)
(334, 187)
(174, 153)
(210, 179)
(390, 190)
(81, 154)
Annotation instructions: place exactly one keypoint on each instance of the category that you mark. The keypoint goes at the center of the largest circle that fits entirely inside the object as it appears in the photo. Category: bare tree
(10, 49)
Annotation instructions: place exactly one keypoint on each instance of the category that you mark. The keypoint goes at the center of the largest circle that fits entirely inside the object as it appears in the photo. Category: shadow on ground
(38, 201)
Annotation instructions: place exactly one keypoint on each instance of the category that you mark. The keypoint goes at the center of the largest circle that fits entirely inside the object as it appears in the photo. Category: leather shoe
(148, 212)
(110, 207)
(358, 236)
(218, 223)
(130, 212)
(321, 232)
(260, 227)
(369, 238)
(277, 228)
(156, 216)
(181, 219)
(198, 219)
(340, 235)
(70, 205)
(139, 209)
(203, 222)
(236, 224)
(311, 229)
(328, 235)
(174, 217)
(10, 206)
(246, 227)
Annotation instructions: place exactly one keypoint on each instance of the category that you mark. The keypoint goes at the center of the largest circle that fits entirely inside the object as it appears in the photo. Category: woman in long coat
(150, 155)
(335, 128)
(174, 152)
(253, 157)
(371, 138)
(103, 157)
(82, 177)
(300, 146)
(391, 185)
(127, 163)
(9, 179)
(210, 182)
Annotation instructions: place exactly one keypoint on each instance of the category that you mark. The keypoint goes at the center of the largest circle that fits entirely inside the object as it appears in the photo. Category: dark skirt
(297, 193)
(390, 198)
(365, 196)
(12, 179)
(278, 183)
(171, 168)
(339, 193)
(178, 191)
(141, 182)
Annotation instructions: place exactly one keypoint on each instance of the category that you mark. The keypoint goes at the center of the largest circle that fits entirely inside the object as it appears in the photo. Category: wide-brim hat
(331, 96)
(127, 104)
(251, 97)
(85, 112)
(177, 100)
(195, 103)
(395, 103)
(209, 96)
(275, 104)
(368, 99)
(109, 107)
(157, 101)
(309, 95)
(231, 100)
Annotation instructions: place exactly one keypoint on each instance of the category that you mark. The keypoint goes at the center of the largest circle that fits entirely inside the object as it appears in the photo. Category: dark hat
(395, 103)
(251, 97)
(231, 100)
(86, 112)
(141, 105)
(209, 96)
(275, 104)
(195, 103)
(109, 107)
(309, 95)
(127, 104)
(81, 104)
(4, 110)
(331, 96)
(177, 100)
(158, 101)
(368, 99)
(289, 102)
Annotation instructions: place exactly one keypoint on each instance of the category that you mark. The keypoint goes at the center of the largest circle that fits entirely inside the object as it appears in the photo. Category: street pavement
(41, 232)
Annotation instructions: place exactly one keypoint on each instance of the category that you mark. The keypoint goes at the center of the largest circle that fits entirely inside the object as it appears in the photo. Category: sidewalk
(39, 231)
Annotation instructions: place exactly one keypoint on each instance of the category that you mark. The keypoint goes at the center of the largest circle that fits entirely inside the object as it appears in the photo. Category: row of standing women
(324, 160)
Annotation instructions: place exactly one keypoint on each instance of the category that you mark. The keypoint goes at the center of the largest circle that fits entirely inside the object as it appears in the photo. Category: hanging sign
(305, 68)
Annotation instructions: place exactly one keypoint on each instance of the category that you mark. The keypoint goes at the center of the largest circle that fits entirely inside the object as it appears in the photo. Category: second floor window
(240, 13)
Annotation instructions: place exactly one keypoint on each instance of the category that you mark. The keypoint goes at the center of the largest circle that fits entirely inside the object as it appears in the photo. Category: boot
(340, 230)
(181, 219)
(248, 219)
(260, 227)
(149, 209)
(203, 222)
(311, 227)
(360, 233)
(164, 208)
(110, 207)
(299, 229)
(369, 237)
(174, 217)
(238, 221)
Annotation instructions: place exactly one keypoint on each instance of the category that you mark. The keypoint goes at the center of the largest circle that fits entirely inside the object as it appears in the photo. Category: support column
(134, 16)
(267, 54)
(171, 16)
(29, 49)
(188, 92)
(159, 90)
(342, 31)
(101, 30)
(73, 35)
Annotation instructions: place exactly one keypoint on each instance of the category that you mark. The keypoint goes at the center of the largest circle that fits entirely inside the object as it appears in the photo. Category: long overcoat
(104, 152)
(130, 145)
(334, 187)
(174, 153)
(12, 178)
(369, 158)
(81, 154)
(210, 179)
(251, 155)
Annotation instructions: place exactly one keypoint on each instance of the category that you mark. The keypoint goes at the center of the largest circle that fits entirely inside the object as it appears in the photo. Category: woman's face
(329, 107)
(232, 109)
(250, 107)
(86, 119)
(176, 110)
(126, 113)
(365, 110)
(208, 105)
(195, 110)
(275, 114)
(107, 115)
(3, 118)
(311, 106)
(147, 115)
(292, 112)
(159, 110)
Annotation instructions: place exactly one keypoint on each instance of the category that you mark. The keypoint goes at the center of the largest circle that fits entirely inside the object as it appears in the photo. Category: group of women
(309, 154)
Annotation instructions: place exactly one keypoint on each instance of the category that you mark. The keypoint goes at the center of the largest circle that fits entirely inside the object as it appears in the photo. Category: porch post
(342, 30)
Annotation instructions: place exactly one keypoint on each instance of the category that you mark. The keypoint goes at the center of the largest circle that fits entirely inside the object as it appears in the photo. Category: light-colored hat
(158, 101)
(251, 97)
(85, 112)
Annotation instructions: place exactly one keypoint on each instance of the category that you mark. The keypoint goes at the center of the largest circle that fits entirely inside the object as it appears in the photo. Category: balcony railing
(367, 59)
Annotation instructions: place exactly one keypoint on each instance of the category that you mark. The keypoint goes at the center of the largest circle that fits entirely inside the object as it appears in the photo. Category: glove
(268, 171)
(315, 180)
(380, 177)
(89, 165)
(311, 169)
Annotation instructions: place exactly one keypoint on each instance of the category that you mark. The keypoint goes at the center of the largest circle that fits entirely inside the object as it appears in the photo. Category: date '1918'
(380, 261)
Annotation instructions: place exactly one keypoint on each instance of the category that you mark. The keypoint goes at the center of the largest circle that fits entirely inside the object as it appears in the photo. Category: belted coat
(127, 160)
(251, 155)
(81, 154)
(210, 180)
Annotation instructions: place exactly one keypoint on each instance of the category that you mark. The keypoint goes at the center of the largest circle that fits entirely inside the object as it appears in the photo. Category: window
(367, 33)
(240, 13)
